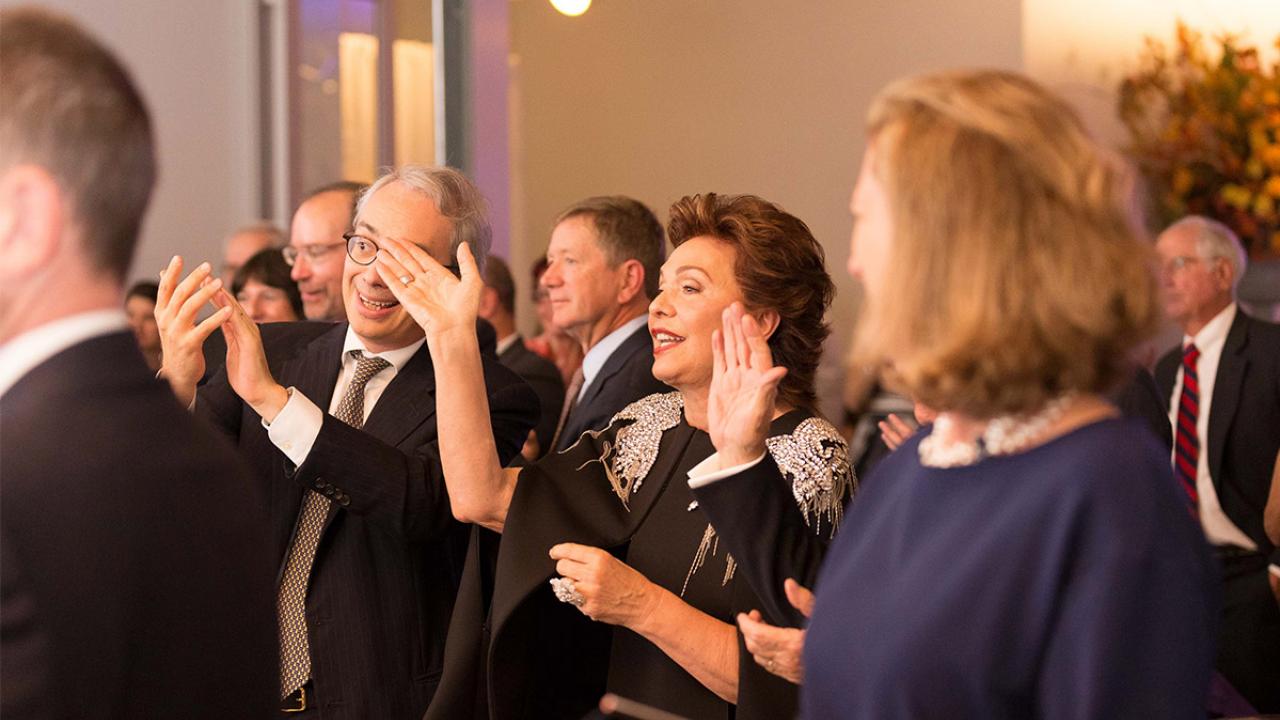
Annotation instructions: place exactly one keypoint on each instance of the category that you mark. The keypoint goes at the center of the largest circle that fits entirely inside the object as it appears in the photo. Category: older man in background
(246, 242)
(1223, 391)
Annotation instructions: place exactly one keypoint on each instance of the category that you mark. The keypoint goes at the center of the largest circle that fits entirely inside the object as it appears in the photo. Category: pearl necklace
(1004, 435)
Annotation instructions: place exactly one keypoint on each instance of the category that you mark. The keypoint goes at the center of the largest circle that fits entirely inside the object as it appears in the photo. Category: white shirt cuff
(296, 427)
(707, 472)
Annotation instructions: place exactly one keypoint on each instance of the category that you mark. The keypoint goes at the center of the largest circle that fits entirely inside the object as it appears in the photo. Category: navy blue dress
(1069, 581)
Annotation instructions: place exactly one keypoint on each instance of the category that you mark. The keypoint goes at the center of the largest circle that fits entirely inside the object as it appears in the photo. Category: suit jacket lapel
(615, 363)
(1227, 387)
(411, 394)
(315, 372)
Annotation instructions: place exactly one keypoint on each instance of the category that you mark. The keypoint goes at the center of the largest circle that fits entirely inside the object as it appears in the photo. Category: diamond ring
(567, 592)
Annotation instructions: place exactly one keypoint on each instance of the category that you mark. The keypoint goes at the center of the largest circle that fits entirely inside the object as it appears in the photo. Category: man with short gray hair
(338, 422)
(1223, 391)
(602, 272)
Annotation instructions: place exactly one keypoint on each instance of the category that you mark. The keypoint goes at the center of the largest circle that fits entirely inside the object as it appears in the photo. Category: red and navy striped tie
(1186, 445)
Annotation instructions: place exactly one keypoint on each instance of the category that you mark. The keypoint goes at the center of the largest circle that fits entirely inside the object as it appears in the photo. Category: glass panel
(413, 73)
(335, 79)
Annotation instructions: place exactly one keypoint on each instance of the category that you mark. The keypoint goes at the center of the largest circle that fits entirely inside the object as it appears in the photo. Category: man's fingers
(210, 324)
(467, 262)
(800, 597)
(190, 308)
(168, 279)
(391, 272)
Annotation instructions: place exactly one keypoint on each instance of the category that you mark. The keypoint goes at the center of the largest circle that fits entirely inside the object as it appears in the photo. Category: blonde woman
(1030, 555)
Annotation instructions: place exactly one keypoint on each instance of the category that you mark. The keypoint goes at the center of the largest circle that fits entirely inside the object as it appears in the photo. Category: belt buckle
(302, 701)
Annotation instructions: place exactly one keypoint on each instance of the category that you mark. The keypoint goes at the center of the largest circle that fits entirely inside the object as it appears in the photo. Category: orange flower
(1272, 186)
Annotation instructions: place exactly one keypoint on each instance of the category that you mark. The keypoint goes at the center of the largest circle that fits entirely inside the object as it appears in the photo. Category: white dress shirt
(297, 425)
(1218, 528)
(24, 353)
(593, 362)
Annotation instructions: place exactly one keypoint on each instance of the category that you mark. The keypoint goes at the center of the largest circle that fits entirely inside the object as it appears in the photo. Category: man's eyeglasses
(363, 251)
(311, 252)
(1176, 264)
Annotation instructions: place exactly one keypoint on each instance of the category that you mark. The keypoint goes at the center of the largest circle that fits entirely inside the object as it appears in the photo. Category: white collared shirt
(298, 423)
(1218, 528)
(505, 343)
(24, 353)
(593, 362)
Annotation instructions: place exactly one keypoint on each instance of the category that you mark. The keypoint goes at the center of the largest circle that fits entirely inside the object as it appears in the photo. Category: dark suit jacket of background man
(135, 537)
(544, 377)
(624, 378)
(1244, 436)
(387, 566)
(1244, 421)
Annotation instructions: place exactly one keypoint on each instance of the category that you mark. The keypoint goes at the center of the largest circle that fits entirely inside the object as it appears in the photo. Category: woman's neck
(1080, 410)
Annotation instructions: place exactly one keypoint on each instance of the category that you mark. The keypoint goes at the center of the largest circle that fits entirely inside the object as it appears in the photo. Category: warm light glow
(572, 8)
(1084, 48)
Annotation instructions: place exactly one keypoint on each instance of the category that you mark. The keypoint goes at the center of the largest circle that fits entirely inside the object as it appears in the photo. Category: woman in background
(263, 286)
(1029, 555)
(140, 311)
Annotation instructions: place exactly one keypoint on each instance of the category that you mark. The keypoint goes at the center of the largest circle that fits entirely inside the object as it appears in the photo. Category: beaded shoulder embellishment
(815, 458)
(640, 425)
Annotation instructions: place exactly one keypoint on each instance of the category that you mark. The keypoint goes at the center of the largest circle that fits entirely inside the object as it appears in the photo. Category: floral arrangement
(1204, 129)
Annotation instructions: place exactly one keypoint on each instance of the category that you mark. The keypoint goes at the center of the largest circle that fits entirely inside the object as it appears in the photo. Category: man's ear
(768, 321)
(32, 220)
(632, 281)
(1224, 273)
(488, 302)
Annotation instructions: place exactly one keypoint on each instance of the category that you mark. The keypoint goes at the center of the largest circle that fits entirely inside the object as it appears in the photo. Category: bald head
(317, 250)
(246, 242)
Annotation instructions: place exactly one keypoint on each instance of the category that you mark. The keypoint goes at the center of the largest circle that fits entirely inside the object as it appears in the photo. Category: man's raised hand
(178, 303)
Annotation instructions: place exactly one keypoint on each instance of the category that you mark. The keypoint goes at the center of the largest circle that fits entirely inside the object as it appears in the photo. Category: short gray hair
(1216, 240)
(454, 194)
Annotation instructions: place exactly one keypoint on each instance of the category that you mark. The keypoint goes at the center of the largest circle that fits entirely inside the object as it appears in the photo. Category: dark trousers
(1249, 638)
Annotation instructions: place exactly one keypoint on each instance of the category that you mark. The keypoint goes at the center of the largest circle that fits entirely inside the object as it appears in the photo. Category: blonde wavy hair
(1019, 257)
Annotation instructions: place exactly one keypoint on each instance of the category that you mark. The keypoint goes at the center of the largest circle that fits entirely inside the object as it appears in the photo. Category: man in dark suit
(338, 422)
(602, 271)
(498, 307)
(132, 581)
(1223, 390)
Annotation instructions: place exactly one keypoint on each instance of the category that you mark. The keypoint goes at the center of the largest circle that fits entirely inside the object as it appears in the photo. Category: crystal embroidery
(815, 459)
(629, 458)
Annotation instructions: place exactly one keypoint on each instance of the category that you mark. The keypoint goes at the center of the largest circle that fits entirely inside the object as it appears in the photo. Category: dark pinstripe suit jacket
(387, 567)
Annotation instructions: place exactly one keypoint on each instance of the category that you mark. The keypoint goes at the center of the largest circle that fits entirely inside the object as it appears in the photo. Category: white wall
(196, 64)
(661, 98)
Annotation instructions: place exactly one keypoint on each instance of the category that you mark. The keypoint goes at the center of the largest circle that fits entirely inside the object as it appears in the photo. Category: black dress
(624, 489)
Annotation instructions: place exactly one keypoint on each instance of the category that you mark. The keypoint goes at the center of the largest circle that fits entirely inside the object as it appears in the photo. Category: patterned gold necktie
(291, 601)
(570, 402)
